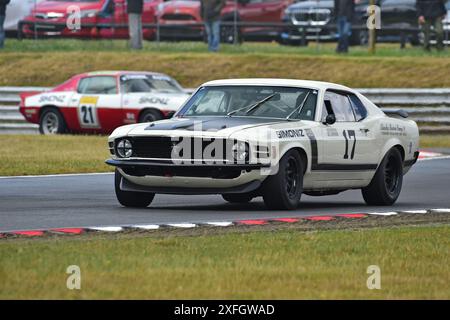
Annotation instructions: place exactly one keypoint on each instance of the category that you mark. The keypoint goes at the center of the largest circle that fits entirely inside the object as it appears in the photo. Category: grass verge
(36, 154)
(286, 264)
(50, 62)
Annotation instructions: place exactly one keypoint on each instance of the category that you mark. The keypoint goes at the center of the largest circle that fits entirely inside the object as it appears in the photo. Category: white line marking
(58, 175)
(436, 158)
(415, 211)
(441, 210)
(145, 226)
(107, 229)
(219, 224)
(383, 213)
(182, 225)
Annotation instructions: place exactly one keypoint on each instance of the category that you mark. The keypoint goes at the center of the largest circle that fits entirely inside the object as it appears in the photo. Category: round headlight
(124, 148)
(240, 151)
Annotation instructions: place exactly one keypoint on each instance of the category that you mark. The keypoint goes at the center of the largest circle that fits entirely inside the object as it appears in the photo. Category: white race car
(273, 138)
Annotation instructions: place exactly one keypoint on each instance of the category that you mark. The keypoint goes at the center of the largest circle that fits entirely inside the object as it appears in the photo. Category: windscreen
(254, 101)
(135, 83)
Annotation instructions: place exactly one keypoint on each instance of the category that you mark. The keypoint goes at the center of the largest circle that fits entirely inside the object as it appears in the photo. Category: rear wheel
(150, 116)
(51, 122)
(131, 199)
(237, 197)
(386, 185)
(283, 190)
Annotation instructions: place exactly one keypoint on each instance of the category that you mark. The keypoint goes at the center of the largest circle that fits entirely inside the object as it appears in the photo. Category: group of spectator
(431, 14)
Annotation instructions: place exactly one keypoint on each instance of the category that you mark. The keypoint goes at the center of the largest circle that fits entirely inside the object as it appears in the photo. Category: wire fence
(232, 32)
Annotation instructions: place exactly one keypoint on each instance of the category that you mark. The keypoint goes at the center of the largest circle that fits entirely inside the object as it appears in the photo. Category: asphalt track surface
(89, 201)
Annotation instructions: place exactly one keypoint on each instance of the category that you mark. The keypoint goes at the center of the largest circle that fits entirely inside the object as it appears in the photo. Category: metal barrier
(429, 107)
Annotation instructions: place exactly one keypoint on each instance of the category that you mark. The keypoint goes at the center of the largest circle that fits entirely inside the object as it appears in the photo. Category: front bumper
(170, 178)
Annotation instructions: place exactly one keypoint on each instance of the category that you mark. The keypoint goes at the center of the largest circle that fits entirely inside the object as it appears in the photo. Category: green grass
(435, 141)
(50, 62)
(414, 264)
(36, 154)
(46, 45)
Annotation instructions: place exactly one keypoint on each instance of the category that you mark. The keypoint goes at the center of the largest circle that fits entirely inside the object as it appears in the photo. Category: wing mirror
(330, 119)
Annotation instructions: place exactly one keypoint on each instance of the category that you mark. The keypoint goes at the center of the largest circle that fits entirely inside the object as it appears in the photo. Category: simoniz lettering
(293, 133)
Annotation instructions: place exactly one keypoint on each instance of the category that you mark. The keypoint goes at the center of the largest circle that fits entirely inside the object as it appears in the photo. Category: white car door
(98, 103)
(349, 150)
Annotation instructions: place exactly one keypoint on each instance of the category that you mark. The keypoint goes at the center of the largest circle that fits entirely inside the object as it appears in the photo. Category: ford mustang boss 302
(99, 102)
(273, 138)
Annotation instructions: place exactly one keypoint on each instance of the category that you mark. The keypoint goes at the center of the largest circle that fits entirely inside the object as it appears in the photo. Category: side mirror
(330, 119)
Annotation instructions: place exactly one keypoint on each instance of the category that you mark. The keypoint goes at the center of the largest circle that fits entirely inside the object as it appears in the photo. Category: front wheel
(150, 116)
(386, 185)
(131, 199)
(283, 190)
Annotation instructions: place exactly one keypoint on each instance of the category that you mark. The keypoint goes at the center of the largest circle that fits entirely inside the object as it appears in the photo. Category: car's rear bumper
(167, 177)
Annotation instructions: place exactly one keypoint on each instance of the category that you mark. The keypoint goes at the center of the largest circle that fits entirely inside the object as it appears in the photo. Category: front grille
(200, 149)
(177, 17)
(319, 16)
(151, 147)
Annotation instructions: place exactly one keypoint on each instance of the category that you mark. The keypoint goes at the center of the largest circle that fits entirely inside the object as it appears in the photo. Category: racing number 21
(88, 112)
(348, 135)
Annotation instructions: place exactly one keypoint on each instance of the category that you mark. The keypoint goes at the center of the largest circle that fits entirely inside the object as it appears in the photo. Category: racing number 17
(348, 135)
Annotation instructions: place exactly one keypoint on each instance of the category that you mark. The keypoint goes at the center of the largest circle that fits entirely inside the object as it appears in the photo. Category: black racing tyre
(52, 122)
(386, 185)
(150, 116)
(237, 197)
(283, 190)
(131, 199)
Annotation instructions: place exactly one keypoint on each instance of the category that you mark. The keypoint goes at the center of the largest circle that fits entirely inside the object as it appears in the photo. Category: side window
(358, 107)
(341, 105)
(98, 85)
(308, 111)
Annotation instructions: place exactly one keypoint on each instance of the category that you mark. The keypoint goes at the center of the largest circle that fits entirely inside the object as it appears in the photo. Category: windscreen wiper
(253, 106)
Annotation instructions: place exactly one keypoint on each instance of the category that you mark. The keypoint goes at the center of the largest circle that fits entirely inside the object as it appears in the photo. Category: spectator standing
(344, 11)
(134, 10)
(3, 4)
(210, 13)
(431, 14)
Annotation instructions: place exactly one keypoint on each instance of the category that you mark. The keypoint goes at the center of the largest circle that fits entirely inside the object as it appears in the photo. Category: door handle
(364, 130)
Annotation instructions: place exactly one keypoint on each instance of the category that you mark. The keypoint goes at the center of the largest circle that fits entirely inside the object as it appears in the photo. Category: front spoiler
(126, 185)
(162, 163)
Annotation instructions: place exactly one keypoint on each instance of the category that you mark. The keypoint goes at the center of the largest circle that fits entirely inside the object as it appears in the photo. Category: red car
(50, 17)
(187, 12)
(99, 102)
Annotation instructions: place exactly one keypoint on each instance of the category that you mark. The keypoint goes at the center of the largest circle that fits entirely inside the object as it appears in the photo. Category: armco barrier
(429, 107)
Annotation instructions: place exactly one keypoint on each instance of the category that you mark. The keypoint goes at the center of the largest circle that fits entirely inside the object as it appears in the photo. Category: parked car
(446, 27)
(49, 19)
(16, 11)
(180, 19)
(99, 102)
(274, 138)
(315, 20)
